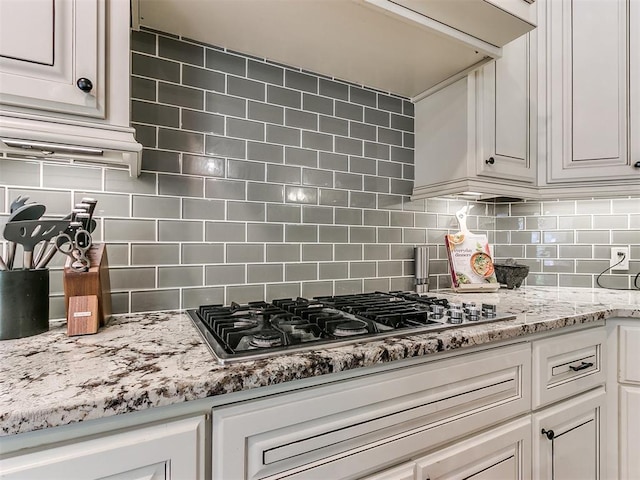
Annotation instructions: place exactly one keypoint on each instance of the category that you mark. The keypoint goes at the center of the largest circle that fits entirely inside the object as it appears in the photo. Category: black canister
(24, 303)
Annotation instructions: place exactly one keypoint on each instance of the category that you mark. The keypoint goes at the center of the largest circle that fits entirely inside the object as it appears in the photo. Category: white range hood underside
(377, 43)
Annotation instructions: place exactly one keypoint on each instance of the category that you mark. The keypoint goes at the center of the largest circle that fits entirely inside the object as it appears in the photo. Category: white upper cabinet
(634, 79)
(48, 50)
(478, 135)
(506, 103)
(408, 47)
(592, 90)
(64, 81)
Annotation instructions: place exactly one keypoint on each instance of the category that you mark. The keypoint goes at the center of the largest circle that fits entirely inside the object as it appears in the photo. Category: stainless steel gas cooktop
(259, 329)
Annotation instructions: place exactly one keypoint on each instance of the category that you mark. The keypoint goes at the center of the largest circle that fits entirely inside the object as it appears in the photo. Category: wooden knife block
(87, 295)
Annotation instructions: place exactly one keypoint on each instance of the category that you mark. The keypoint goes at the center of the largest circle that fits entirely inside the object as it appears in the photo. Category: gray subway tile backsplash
(333, 89)
(245, 88)
(184, 276)
(363, 96)
(180, 231)
(316, 174)
(202, 78)
(284, 96)
(219, 103)
(154, 254)
(265, 72)
(225, 62)
(301, 81)
(153, 67)
(152, 113)
(202, 253)
(144, 89)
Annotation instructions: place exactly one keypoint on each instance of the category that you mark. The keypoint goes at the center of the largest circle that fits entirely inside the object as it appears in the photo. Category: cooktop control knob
(488, 310)
(437, 311)
(455, 315)
(473, 313)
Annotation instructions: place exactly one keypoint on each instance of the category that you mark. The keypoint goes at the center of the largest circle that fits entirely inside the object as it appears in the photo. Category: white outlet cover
(624, 265)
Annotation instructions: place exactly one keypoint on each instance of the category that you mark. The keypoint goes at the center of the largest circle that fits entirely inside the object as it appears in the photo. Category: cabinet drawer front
(566, 365)
(417, 407)
(498, 453)
(629, 355)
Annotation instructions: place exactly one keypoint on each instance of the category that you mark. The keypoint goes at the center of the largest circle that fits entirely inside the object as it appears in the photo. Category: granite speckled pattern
(155, 359)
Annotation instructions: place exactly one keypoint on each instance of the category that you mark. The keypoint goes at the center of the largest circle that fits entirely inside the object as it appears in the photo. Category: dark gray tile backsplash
(263, 181)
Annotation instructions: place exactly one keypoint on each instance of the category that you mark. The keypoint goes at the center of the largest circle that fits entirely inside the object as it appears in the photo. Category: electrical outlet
(617, 254)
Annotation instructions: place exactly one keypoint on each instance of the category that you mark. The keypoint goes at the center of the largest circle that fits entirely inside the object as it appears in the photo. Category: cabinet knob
(637, 164)
(84, 84)
(549, 433)
(490, 161)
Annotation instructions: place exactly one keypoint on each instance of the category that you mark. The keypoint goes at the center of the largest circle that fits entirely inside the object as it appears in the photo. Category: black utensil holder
(24, 303)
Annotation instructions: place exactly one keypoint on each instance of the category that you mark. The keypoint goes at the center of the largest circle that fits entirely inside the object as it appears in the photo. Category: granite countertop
(149, 360)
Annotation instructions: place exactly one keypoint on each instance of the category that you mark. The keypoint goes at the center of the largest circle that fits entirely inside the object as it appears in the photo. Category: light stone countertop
(155, 359)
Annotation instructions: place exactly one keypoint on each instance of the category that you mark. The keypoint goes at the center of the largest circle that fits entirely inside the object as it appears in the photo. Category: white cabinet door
(502, 453)
(507, 112)
(46, 47)
(634, 78)
(568, 439)
(173, 450)
(157, 471)
(629, 354)
(629, 431)
(588, 97)
(402, 472)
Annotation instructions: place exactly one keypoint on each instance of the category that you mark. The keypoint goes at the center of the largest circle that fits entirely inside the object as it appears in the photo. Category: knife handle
(47, 256)
(27, 260)
(11, 253)
(37, 254)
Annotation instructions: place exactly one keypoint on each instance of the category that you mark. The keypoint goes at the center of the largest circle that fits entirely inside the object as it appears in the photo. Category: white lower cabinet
(501, 453)
(406, 471)
(623, 399)
(172, 450)
(569, 438)
(629, 433)
(362, 426)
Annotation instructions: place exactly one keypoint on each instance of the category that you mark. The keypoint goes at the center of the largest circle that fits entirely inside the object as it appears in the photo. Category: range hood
(38, 137)
(407, 47)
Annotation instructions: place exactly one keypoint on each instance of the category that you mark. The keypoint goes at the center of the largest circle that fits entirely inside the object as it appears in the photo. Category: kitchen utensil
(29, 233)
(17, 203)
(76, 248)
(24, 303)
(82, 288)
(421, 255)
(511, 274)
(32, 211)
(92, 204)
(84, 219)
(51, 249)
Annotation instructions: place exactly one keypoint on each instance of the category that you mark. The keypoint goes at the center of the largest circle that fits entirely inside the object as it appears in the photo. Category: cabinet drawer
(361, 425)
(500, 453)
(566, 365)
(629, 355)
